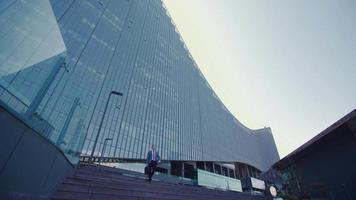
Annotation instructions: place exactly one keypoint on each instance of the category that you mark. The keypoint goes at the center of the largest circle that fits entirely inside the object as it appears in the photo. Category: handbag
(146, 170)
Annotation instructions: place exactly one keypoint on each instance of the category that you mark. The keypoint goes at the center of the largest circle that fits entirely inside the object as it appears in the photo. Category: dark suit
(152, 160)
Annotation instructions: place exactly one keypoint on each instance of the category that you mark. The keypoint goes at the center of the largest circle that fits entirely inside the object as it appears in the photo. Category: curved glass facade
(133, 47)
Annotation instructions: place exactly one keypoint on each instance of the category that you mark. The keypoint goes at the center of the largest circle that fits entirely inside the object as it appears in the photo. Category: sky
(285, 64)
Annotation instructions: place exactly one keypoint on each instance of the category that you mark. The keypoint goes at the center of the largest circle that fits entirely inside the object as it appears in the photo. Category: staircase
(99, 182)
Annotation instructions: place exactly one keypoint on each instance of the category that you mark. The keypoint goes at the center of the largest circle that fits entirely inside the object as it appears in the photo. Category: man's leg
(150, 169)
(153, 168)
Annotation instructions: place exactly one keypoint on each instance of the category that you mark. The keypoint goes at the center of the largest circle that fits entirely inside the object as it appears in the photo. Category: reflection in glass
(31, 50)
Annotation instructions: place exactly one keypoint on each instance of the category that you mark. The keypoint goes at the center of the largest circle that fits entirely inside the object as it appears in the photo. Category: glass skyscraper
(61, 59)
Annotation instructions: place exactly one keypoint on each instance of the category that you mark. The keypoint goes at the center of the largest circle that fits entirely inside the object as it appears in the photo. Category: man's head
(153, 147)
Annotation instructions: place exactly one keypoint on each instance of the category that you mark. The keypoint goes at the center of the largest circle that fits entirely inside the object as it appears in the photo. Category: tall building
(112, 77)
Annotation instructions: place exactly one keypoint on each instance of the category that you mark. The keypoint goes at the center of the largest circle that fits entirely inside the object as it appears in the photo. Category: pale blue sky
(287, 64)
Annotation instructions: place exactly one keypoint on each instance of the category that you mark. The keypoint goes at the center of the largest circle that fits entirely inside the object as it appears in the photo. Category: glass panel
(31, 51)
(218, 181)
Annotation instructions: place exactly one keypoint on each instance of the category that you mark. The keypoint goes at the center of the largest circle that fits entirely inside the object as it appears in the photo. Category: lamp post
(101, 122)
(104, 146)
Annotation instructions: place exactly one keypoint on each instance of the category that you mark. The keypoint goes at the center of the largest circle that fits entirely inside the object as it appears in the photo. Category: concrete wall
(29, 163)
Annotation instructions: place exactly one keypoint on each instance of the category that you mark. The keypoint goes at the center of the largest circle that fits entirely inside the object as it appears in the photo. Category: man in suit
(152, 159)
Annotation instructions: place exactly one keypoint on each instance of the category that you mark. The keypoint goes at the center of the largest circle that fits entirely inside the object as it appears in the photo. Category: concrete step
(128, 180)
(121, 190)
(143, 184)
(108, 196)
(163, 177)
(139, 195)
(115, 174)
(124, 179)
(100, 182)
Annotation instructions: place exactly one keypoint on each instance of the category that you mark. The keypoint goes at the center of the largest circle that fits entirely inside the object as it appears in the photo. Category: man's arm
(148, 157)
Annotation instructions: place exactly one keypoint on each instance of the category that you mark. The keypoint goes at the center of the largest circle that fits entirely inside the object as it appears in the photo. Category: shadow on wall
(29, 163)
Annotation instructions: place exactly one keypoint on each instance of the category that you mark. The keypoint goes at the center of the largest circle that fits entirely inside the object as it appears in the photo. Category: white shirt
(153, 155)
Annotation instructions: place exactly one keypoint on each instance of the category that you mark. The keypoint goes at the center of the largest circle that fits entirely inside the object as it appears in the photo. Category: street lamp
(101, 122)
(104, 146)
